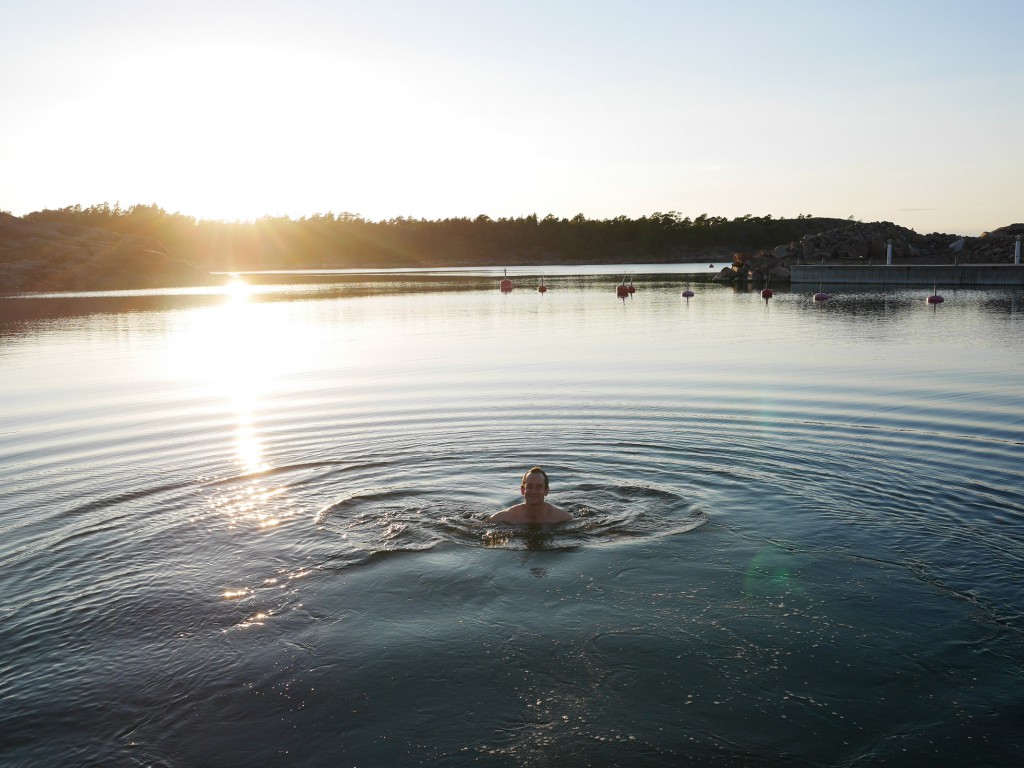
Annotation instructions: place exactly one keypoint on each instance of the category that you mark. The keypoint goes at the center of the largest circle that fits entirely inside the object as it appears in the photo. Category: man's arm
(505, 516)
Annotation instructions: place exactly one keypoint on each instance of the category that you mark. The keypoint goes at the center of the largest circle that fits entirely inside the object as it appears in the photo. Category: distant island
(104, 247)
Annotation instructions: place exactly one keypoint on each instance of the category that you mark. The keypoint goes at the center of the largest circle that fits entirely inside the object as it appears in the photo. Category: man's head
(534, 487)
(535, 471)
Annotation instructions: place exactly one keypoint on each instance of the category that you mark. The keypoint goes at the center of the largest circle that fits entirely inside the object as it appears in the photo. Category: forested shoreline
(347, 240)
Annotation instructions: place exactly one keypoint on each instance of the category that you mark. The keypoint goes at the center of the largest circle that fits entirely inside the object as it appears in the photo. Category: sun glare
(235, 354)
(248, 445)
(255, 135)
(236, 289)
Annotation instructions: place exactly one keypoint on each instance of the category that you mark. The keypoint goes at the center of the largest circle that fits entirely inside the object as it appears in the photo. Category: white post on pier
(888, 253)
(1016, 251)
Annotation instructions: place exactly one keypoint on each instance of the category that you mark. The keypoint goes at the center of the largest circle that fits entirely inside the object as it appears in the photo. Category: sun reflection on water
(248, 444)
(237, 289)
(234, 354)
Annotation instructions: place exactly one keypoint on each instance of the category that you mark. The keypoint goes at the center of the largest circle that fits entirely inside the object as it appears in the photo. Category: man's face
(533, 488)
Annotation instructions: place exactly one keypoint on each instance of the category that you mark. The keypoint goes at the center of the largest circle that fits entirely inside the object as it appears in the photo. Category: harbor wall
(910, 274)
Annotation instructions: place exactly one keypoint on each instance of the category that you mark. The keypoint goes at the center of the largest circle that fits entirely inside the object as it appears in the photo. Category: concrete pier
(942, 275)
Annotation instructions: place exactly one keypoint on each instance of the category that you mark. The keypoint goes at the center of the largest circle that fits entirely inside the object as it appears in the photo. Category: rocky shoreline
(867, 244)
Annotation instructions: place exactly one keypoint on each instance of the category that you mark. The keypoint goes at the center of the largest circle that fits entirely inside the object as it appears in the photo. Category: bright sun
(250, 133)
(256, 132)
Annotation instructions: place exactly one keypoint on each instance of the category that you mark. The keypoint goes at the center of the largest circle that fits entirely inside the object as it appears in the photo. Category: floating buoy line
(624, 289)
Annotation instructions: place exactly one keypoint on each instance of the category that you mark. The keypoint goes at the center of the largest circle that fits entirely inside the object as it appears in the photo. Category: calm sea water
(243, 527)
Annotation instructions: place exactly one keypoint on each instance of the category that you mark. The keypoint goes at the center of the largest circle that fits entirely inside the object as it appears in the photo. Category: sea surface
(245, 525)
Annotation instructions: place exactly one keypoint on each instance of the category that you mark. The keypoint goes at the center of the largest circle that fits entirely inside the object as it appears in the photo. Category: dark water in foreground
(245, 529)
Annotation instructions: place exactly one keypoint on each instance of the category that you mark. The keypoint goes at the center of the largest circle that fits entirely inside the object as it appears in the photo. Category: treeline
(347, 240)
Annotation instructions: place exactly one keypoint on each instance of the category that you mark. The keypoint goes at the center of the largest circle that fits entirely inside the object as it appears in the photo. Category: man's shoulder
(516, 515)
(506, 515)
(557, 515)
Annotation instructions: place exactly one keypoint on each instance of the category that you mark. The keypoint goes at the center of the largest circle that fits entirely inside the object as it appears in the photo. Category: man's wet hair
(539, 471)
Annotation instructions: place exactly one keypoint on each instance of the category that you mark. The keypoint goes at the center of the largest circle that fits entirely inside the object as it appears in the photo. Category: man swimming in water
(533, 509)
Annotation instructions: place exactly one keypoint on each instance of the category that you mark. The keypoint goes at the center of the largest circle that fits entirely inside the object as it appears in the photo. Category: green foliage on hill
(347, 240)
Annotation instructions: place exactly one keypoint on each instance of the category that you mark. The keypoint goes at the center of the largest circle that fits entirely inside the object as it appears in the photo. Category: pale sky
(905, 110)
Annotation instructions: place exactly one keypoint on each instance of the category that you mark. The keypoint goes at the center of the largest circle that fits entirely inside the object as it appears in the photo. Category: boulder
(863, 243)
(1010, 230)
(853, 250)
(726, 275)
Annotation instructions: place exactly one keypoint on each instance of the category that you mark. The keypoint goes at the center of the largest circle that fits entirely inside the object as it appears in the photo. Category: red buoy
(767, 293)
(935, 298)
(821, 296)
(622, 290)
(506, 284)
(687, 293)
